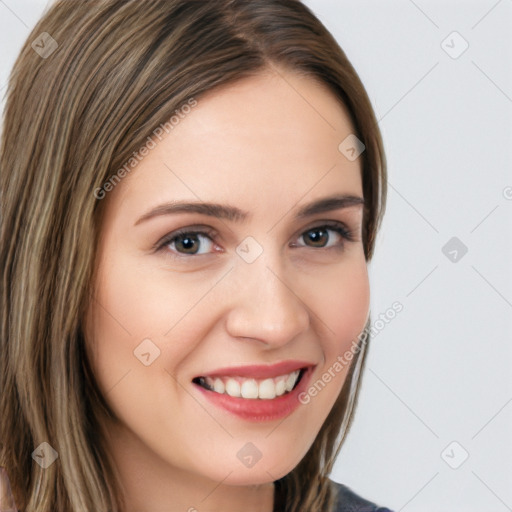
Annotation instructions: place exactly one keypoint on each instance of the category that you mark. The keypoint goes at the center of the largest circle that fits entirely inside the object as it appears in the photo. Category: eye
(187, 242)
(191, 242)
(319, 235)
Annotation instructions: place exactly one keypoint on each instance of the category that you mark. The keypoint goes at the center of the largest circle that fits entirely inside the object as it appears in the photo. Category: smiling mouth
(253, 389)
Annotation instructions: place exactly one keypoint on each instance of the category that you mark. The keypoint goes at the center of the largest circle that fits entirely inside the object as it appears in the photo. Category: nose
(265, 306)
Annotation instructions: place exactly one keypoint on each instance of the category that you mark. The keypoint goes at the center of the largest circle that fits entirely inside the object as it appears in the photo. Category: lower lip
(257, 409)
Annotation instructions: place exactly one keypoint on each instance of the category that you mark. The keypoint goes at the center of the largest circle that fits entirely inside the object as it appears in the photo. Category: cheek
(133, 304)
(342, 305)
(341, 301)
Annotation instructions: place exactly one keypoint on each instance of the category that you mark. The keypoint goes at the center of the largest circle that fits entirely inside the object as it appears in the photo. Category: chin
(253, 476)
(263, 471)
(229, 470)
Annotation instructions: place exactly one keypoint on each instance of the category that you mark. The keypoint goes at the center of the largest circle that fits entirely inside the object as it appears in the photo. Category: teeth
(232, 387)
(280, 387)
(265, 389)
(290, 381)
(218, 386)
(249, 389)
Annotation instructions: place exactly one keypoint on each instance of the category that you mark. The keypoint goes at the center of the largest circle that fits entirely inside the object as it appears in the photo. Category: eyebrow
(234, 214)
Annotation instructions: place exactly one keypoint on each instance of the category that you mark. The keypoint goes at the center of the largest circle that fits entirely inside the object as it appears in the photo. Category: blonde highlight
(120, 70)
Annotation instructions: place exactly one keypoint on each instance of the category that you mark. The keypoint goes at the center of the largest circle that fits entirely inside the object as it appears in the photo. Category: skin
(267, 145)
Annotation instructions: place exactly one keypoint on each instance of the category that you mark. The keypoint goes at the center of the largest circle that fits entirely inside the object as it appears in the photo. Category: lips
(249, 388)
(259, 371)
(255, 393)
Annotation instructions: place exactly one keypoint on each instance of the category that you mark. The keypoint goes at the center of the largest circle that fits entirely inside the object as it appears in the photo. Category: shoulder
(348, 501)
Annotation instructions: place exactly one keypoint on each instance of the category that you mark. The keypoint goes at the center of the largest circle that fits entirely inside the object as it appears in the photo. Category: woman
(191, 192)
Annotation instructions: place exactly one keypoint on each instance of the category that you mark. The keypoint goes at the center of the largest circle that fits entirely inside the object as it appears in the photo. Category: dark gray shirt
(349, 501)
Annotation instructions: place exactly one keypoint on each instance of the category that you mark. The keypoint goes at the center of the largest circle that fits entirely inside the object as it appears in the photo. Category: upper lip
(259, 371)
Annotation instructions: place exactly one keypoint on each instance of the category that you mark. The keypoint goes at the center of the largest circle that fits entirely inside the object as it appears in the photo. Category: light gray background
(440, 371)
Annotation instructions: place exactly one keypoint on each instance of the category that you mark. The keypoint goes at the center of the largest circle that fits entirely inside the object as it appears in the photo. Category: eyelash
(337, 227)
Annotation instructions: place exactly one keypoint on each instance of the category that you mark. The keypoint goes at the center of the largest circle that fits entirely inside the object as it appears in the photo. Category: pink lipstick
(257, 392)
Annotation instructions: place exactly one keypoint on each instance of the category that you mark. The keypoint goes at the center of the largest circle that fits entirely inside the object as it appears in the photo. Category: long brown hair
(101, 76)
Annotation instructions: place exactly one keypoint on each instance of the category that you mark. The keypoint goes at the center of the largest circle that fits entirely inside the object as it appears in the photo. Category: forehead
(267, 137)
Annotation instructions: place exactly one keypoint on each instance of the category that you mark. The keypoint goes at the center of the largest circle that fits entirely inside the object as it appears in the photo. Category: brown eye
(187, 243)
(319, 237)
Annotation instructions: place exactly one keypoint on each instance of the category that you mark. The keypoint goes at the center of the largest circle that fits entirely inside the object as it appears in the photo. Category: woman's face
(265, 288)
